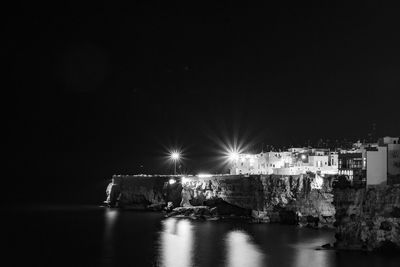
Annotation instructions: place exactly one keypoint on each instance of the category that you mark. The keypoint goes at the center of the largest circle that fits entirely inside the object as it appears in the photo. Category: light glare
(233, 155)
(175, 155)
(204, 175)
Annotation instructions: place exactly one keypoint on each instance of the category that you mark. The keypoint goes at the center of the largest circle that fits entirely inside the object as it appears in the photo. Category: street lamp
(233, 156)
(175, 155)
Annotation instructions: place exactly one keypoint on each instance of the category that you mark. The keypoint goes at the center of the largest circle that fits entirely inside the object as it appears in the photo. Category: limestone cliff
(300, 199)
(143, 192)
(303, 199)
(367, 218)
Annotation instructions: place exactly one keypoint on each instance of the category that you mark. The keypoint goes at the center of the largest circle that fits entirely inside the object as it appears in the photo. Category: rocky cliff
(368, 218)
(302, 199)
(143, 192)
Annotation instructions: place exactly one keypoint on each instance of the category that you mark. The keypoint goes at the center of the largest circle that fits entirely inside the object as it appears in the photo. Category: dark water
(94, 236)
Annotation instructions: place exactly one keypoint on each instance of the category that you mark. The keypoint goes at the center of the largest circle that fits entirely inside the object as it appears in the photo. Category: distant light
(175, 155)
(204, 175)
(233, 156)
(303, 157)
(172, 181)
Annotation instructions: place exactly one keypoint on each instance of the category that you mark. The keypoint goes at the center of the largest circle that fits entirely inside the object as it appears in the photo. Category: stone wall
(367, 218)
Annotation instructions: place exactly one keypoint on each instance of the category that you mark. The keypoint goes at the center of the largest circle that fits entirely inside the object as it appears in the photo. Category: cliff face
(302, 199)
(296, 199)
(140, 192)
(368, 218)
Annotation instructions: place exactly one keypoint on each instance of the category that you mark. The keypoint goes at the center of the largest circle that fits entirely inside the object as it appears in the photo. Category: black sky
(101, 88)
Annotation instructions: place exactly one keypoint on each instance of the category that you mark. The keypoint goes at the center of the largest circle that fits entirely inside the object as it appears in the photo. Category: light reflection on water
(146, 239)
(306, 258)
(177, 240)
(306, 255)
(241, 251)
(111, 217)
(184, 242)
(176, 243)
(107, 237)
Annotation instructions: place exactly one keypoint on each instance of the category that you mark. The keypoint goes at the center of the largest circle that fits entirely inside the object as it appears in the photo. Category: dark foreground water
(95, 236)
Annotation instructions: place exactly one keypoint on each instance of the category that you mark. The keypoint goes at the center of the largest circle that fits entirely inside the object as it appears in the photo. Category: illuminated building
(393, 158)
(373, 163)
(353, 164)
(292, 162)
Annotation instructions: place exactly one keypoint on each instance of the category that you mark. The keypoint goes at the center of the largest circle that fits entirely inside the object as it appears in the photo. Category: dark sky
(102, 88)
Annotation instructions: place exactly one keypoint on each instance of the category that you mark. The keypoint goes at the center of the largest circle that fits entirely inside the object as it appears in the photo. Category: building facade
(393, 158)
(373, 163)
(295, 161)
(370, 163)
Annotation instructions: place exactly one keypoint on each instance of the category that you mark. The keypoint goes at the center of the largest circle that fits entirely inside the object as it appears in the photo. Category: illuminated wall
(318, 161)
(284, 163)
(377, 166)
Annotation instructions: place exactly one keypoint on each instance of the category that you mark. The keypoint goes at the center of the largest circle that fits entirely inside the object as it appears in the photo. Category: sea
(79, 235)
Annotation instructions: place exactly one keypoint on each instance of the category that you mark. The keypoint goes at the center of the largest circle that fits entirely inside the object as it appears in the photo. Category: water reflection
(241, 251)
(176, 248)
(108, 242)
(305, 253)
(107, 237)
(311, 257)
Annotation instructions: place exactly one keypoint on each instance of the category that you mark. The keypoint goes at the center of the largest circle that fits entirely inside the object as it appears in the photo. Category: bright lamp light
(233, 156)
(175, 155)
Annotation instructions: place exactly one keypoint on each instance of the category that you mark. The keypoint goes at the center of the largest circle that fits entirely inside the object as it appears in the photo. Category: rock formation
(303, 199)
(368, 218)
(292, 199)
(145, 192)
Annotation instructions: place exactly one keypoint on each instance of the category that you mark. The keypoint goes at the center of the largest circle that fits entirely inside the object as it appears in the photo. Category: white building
(393, 158)
(292, 162)
(377, 165)
(375, 162)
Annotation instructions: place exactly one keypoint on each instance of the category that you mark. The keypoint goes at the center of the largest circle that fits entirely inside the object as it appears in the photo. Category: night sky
(101, 88)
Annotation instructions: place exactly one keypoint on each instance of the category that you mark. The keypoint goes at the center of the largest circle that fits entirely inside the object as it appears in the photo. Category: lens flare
(175, 155)
(233, 155)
